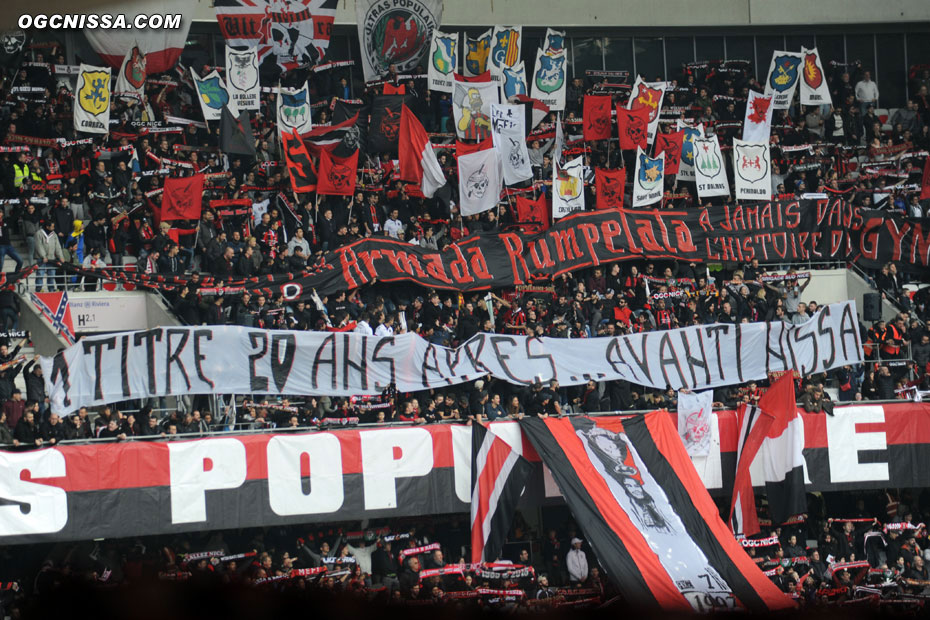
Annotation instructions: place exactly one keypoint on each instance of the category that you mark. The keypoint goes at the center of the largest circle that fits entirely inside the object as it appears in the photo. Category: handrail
(365, 426)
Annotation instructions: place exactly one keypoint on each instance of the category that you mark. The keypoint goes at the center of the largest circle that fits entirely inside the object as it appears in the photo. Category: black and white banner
(238, 360)
(242, 78)
(509, 135)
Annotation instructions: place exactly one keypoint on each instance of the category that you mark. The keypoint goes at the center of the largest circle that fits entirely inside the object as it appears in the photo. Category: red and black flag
(236, 133)
(533, 214)
(609, 185)
(384, 128)
(633, 128)
(670, 144)
(341, 139)
(643, 508)
(498, 475)
(596, 117)
(336, 175)
(774, 432)
(182, 198)
(299, 165)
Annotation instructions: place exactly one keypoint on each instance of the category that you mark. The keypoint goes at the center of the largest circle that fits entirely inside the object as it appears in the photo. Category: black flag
(385, 123)
(236, 133)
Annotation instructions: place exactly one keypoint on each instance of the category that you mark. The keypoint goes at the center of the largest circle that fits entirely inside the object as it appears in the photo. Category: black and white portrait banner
(238, 360)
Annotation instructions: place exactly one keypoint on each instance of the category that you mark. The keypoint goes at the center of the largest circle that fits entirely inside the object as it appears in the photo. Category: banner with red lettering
(256, 480)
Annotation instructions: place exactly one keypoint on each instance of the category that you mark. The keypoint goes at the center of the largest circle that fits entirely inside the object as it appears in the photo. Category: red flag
(609, 185)
(418, 161)
(596, 117)
(390, 89)
(299, 165)
(670, 144)
(533, 213)
(467, 148)
(181, 198)
(633, 127)
(337, 174)
(925, 181)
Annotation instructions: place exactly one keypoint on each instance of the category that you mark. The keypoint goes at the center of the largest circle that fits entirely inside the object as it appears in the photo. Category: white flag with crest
(649, 184)
(294, 110)
(752, 169)
(242, 78)
(814, 88)
(567, 188)
(132, 74)
(213, 95)
(710, 174)
(694, 420)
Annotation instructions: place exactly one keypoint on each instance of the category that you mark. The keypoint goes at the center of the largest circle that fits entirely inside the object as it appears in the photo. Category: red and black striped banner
(664, 545)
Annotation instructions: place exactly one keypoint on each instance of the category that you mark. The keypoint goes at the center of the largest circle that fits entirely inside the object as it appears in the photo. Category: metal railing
(318, 428)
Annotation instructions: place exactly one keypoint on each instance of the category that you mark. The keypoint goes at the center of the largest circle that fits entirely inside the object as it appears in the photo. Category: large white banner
(782, 81)
(694, 414)
(567, 187)
(710, 174)
(509, 135)
(814, 87)
(549, 80)
(752, 170)
(443, 61)
(92, 100)
(242, 78)
(240, 360)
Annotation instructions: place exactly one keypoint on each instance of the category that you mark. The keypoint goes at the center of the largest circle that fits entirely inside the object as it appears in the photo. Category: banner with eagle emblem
(648, 95)
(649, 184)
(242, 78)
(814, 87)
(395, 32)
(477, 51)
(567, 188)
(752, 169)
(471, 106)
(92, 100)
(131, 77)
(782, 81)
(443, 61)
(549, 80)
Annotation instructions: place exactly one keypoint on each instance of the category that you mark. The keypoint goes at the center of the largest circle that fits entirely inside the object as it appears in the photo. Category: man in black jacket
(384, 567)
(53, 431)
(26, 433)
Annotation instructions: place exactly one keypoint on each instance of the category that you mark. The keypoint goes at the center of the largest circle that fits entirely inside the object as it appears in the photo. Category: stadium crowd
(93, 203)
(821, 561)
